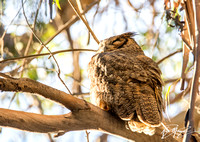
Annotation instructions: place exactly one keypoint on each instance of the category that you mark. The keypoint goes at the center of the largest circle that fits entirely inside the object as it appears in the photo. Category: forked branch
(83, 116)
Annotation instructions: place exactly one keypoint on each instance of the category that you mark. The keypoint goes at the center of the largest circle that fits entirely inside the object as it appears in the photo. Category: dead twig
(171, 54)
(2, 37)
(135, 9)
(84, 21)
(67, 25)
(170, 80)
(45, 54)
(58, 72)
(182, 94)
(80, 7)
(31, 37)
(80, 94)
(87, 135)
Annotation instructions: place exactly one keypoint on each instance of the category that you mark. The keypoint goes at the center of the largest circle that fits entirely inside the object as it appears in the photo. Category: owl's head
(116, 42)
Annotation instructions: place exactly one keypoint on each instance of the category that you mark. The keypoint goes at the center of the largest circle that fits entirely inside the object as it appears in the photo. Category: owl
(127, 83)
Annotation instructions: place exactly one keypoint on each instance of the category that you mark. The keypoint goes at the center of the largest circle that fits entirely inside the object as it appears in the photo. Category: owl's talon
(104, 107)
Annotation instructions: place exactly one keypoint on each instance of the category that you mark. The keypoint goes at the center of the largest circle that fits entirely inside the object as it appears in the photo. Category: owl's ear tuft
(129, 34)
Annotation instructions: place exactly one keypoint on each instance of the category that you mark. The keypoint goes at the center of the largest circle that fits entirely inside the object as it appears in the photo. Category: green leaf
(167, 94)
(32, 74)
(168, 91)
(17, 99)
(58, 4)
(48, 31)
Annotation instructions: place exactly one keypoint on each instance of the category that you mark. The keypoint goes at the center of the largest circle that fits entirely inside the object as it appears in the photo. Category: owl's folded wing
(128, 86)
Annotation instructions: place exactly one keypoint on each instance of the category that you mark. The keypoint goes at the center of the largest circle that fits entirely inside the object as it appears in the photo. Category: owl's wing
(125, 85)
(137, 89)
(152, 69)
(114, 77)
(150, 103)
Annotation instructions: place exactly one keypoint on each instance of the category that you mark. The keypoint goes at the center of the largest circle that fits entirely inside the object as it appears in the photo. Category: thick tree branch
(31, 86)
(84, 116)
(94, 119)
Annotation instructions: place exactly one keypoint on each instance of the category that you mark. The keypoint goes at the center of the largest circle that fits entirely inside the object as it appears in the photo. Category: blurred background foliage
(155, 34)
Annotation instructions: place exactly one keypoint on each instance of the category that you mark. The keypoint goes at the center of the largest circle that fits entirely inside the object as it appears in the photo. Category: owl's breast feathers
(127, 84)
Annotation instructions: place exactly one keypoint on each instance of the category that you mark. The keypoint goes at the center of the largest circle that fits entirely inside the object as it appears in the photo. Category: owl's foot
(104, 106)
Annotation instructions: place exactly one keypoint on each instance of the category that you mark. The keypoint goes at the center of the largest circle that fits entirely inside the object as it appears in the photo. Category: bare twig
(26, 50)
(45, 54)
(166, 81)
(84, 21)
(80, 94)
(2, 45)
(80, 7)
(58, 72)
(31, 37)
(11, 100)
(103, 138)
(76, 67)
(87, 135)
(182, 94)
(65, 26)
(95, 14)
(50, 137)
(135, 9)
(5, 76)
(171, 54)
(157, 33)
(2, 37)
(68, 24)
(39, 104)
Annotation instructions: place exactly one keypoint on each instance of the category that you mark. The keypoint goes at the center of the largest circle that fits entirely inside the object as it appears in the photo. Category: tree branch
(31, 86)
(171, 54)
(45, 54)
(84, 21)
(84, 116)
(95, 119)
(68, 24)
(195, 81)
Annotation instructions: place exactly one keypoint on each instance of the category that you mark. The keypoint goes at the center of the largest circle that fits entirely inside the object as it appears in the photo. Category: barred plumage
(127, 83)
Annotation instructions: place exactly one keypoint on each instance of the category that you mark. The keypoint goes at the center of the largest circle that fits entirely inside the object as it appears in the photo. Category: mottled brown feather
(127, 83)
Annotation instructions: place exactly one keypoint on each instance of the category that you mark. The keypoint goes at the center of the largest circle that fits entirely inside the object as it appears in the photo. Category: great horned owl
(127, 83)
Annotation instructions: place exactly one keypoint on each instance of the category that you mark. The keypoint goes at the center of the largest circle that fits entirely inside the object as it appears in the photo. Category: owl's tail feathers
(141, 127)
